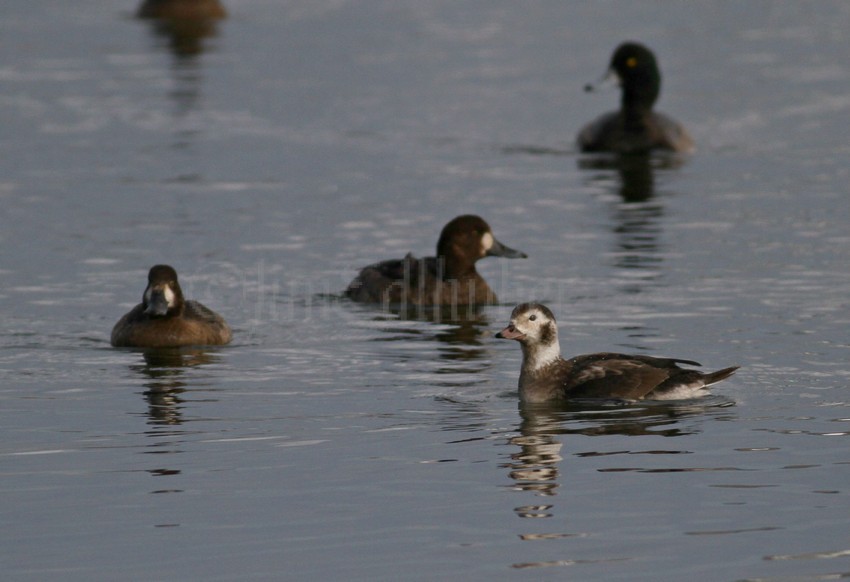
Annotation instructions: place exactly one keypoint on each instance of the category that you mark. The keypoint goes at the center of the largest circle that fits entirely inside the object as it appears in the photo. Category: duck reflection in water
(631, 177)
(185, 24)
(458, 335)
(537, 466)
(165, 372)
(638, 214)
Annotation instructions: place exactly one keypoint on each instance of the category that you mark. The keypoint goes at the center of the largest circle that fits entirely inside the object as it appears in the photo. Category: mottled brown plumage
(165, 319)
(546, 376)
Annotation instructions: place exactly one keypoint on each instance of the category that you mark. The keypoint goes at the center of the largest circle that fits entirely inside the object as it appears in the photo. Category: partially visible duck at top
(165, 319)
(449, 278)
(546, 376)
(182, 9)
(635, 128)
(184, 24)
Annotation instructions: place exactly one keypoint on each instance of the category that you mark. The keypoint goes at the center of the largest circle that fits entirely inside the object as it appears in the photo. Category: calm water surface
(301, 140)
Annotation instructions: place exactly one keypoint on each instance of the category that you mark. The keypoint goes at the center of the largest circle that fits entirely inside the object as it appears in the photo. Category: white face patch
(538, 355)
(169, 295)
(487, 241)
(166, 292)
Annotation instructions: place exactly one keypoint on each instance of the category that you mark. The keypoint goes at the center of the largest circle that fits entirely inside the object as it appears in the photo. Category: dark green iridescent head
(637, 70)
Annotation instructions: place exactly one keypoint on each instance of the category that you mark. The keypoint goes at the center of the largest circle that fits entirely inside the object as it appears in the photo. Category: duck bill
(609, 79)
(500, 250)
(510, 332)
(157, 303)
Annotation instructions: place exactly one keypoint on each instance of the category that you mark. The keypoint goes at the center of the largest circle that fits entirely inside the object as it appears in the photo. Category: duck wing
(389, 280)
(197, 310)
(408, 269)
(632, 377)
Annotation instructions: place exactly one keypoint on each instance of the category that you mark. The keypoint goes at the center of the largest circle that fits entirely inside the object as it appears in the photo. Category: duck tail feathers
(715, 377)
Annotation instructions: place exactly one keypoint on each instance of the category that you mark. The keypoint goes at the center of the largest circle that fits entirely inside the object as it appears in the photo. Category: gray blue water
(301, 140)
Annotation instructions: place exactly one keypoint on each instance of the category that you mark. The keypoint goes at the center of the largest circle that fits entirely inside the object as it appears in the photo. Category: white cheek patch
(487, 241)
(166, 292)
(169, 296)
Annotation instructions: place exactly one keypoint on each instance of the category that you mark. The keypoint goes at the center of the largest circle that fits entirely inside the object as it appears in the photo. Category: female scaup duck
(165, 319)
(547, 376)
(635, 128)
(449, 278)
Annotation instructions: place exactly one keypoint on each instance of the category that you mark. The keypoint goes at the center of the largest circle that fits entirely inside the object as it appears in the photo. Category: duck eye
(532, 318)
(631, 62)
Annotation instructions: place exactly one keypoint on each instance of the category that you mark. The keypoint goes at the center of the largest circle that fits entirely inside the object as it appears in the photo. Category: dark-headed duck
(165, 319)
(449, 278)
(546, 376)
(635, 128)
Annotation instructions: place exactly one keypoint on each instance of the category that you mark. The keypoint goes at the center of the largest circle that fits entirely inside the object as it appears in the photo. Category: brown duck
(165, 319)
(449, 278)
